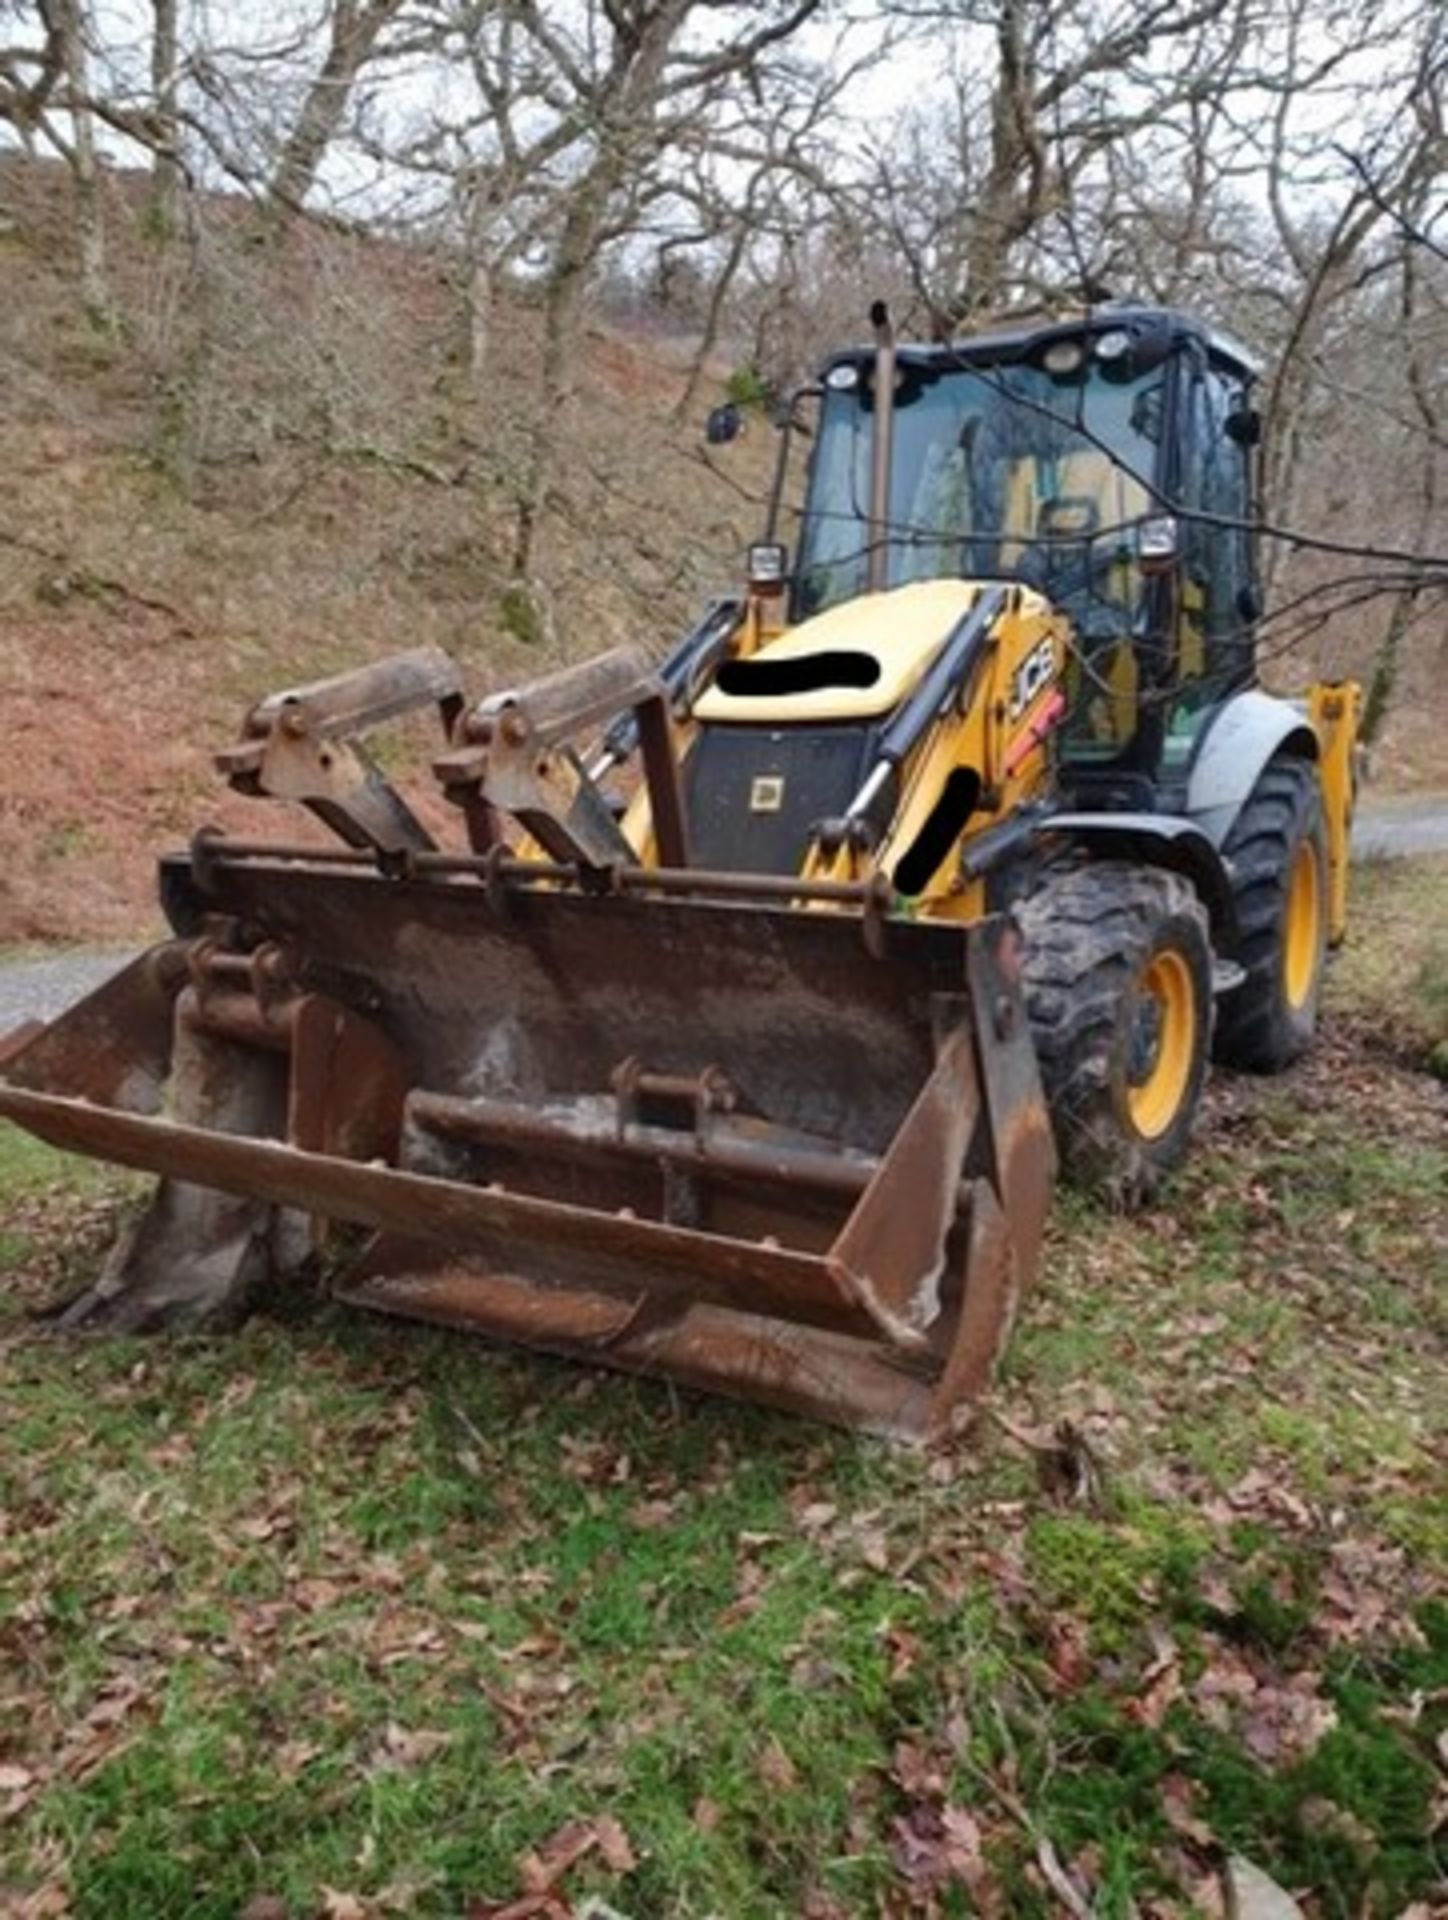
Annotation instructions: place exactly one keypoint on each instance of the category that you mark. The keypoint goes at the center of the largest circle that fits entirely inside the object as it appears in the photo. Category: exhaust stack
(879, 566)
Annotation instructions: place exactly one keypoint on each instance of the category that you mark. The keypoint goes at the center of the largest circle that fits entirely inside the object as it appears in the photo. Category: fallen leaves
(776, 1768)
(265, 1906)
(1159, 1687)
(707, 1815)
(542, 1871)
(936, 1843)
(101, 1732)
(649, 1515)
(50, 1902)
(1252, 1894)
(1276, 1721)
(343, 1906)
(936, 1847)
(1179, 1799)
(401, 1748)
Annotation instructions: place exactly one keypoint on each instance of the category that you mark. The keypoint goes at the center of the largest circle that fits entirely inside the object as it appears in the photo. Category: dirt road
(1399, 828)
(39, 989)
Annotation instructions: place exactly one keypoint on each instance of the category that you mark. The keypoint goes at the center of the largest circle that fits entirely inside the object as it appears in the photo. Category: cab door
(1219, 597)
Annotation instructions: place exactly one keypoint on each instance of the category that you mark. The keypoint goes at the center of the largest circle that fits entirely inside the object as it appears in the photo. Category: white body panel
(1242, 738)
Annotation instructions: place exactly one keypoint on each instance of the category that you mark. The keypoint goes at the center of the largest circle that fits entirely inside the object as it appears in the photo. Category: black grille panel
(753, 793)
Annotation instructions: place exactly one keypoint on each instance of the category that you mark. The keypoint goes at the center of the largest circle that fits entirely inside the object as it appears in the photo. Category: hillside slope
(264, 480)
(268, 472)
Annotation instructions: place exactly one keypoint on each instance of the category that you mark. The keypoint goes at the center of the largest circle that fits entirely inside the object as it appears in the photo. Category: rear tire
(1118, 981)
(1277, 856)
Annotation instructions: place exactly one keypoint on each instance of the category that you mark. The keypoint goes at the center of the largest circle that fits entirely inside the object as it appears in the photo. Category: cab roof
(1017, 336)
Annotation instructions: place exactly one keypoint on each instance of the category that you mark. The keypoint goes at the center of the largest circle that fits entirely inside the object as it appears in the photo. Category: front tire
(1277, 856)
(1118, 980)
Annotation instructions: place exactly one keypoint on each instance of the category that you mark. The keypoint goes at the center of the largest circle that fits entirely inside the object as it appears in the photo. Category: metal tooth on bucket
(674, 1122)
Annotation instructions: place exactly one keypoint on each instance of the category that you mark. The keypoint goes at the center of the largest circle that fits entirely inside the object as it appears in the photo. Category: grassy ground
(340, 1618)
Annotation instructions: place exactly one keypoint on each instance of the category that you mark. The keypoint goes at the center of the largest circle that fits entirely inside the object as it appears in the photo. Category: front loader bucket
(790, 1148)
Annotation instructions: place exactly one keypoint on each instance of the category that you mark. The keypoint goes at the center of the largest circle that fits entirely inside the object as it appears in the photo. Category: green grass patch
(336, 1603)
(1393, 968)
(27, 1164)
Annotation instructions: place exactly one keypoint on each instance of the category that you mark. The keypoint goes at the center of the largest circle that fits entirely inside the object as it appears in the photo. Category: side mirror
(724, 424)
(1249, 604)
(1244, 425)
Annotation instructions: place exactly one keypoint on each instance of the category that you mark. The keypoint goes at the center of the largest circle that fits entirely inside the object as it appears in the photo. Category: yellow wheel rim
(1302, 940)
(1164, 1045)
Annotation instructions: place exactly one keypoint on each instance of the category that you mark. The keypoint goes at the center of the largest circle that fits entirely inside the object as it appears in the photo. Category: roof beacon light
(1063, 357)
(1114, 345)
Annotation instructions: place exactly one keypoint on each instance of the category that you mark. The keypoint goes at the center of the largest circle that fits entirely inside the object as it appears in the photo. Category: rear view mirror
(724, 424)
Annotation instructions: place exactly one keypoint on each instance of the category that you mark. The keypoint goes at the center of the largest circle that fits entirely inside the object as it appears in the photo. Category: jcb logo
(1032, 676)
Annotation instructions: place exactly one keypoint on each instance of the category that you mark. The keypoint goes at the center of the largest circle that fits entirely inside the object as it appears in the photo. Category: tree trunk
(485, 253)
(354, 35)
(1383, 684)
(84, 169)
(1012, 196)
(166, 172)
(555, 391)
(713, 319)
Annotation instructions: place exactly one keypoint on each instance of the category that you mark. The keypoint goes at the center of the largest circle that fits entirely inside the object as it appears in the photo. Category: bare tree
(1277, 163)
(354, 28)
(1324, 227)
(1421, 313)
(66, 22)
(584, 125)
(32, 67)
(44, 96)
(1058, 87)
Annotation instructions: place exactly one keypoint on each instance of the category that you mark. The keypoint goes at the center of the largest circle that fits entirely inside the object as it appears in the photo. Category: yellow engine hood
(897, 633)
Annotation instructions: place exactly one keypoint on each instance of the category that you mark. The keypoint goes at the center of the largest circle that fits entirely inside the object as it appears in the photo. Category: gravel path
(1402, 828)
(39, 989)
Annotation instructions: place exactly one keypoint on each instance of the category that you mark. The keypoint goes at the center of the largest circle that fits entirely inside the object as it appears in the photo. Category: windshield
(997, 470)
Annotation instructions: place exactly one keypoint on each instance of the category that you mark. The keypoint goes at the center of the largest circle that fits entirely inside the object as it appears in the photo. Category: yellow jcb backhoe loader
(738, 1037)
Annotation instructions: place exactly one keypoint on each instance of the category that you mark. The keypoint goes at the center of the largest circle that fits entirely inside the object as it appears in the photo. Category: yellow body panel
(1335, 709)
(1002, 738)
(1192, 630)
(901, 629)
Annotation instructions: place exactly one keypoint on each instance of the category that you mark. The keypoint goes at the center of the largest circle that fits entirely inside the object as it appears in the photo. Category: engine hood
(855, 661)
